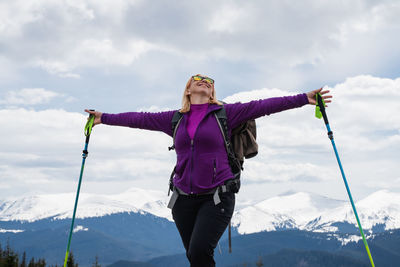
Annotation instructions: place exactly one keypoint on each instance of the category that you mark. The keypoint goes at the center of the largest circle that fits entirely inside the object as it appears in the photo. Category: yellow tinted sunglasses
(200, 78)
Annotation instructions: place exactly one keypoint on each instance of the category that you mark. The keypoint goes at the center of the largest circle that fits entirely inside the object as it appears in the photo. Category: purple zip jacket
(202, 162)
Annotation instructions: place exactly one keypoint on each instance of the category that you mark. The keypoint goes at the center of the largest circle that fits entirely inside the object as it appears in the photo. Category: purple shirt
(196, 114)
(202, 162)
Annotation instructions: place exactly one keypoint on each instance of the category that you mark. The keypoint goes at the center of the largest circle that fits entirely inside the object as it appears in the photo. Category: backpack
(241, 145)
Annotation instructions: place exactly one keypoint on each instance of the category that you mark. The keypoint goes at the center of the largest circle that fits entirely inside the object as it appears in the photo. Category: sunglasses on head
(200, 78)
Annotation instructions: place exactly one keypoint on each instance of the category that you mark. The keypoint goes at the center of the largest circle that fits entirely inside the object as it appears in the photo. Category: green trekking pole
(319, 113)
(88, 130)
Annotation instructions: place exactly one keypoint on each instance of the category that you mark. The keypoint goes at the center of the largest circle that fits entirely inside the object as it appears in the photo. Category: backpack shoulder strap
(220, 114)
(176, 119)
(222, 120)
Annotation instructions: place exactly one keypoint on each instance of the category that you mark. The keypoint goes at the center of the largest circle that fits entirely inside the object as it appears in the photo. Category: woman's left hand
(311, 96)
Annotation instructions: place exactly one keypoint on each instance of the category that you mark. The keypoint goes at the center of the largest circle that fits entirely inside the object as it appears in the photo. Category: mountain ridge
(293, 210)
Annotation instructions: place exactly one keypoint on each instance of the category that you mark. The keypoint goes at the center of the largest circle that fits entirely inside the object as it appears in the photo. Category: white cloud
(33, 34)
(367, 111)
(91, 52)
(366, 85)
(275, 172)
(228, 18)
(94, 53)
(29, 96)
(254, 95)
(374, 18)
(59, 68)
(14, 15)
(287, 43)
(153, 108)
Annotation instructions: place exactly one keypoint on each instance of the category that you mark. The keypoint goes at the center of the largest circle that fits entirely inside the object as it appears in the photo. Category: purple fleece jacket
(202, 162)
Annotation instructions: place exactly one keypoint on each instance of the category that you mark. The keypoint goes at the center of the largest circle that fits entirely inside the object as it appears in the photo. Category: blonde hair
(186, 98)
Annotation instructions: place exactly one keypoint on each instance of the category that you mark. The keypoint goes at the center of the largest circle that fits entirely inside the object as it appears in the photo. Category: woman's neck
(198, 99)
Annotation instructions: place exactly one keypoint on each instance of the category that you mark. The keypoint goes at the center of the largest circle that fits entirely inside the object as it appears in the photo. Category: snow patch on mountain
(80, 228)
(348, 239)
(10, 231)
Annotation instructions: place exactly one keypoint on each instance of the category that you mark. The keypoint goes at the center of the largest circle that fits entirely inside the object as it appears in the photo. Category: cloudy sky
(59, 57)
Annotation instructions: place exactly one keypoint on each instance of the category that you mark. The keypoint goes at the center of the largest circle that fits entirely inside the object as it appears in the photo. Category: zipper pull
(215, 171)
(215, 167)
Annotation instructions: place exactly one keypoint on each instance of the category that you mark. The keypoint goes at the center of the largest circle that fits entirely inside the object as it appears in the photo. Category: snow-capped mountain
(60, 206)
(300, 210)
(380, 209)
(306, 211)
(286, 211)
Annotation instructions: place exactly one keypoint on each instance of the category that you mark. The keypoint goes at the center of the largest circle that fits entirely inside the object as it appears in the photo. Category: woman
(202, 162)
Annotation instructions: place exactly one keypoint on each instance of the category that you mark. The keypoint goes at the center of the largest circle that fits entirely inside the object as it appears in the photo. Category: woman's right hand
(97, 116)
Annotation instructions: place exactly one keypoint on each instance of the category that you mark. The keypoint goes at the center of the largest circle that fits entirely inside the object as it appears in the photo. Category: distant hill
(297, 248)
(130, 236)
(290, 258)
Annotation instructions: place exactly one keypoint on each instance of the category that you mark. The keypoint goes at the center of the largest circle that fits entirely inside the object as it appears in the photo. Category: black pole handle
(322, 108)
(88, 131)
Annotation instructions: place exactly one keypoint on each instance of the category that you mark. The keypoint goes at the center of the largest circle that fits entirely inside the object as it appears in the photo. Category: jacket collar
(211, 108)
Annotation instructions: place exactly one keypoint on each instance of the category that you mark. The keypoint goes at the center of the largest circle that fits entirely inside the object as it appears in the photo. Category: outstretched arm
(240, 112)
(155, 121)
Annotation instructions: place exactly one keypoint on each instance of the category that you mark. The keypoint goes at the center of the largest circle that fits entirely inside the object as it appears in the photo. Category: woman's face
(201, 87)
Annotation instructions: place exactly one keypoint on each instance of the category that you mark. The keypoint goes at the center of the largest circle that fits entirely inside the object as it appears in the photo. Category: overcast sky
(59, 57)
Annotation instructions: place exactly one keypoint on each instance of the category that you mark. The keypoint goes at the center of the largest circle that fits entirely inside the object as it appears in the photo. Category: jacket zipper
(191, 165)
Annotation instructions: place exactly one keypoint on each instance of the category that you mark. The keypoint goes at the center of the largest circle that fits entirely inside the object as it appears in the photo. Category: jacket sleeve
(155, 121)
(240, 112)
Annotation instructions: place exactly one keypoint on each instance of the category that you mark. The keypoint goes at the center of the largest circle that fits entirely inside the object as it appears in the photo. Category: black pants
(201, 224)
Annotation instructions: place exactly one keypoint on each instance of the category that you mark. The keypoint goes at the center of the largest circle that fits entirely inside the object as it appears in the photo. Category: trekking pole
(320, 112)
(88, 130)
